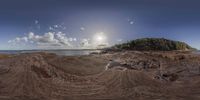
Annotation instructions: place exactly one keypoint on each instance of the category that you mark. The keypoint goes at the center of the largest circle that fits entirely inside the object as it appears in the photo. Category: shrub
(157, 44)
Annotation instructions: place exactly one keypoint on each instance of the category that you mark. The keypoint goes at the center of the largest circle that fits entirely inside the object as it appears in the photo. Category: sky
(80, 24)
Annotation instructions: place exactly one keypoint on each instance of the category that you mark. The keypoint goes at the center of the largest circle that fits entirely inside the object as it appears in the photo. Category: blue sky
(88, 23)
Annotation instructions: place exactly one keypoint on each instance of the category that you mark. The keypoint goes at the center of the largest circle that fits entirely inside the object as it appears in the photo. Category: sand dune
(152, 76)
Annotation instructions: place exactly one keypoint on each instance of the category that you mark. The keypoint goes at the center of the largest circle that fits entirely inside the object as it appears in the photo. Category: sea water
(58, 52)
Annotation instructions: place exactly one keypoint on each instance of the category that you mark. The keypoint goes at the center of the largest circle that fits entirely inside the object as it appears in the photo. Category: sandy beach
(172, 75)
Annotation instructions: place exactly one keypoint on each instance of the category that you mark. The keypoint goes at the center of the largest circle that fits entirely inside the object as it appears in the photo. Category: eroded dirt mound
(41, 76)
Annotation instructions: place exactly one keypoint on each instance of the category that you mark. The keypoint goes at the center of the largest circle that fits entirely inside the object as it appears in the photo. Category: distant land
(153, 44)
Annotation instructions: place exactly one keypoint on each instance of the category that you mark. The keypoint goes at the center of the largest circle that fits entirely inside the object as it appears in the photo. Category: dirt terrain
(172, 75)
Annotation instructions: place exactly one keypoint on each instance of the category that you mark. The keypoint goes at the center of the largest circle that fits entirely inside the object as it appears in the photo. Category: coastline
(68, 52)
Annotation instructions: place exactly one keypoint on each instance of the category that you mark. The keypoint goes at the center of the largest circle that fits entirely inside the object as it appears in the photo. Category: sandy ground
(137, 76)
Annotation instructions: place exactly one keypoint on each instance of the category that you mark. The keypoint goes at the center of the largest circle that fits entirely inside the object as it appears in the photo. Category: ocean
(197, 52)
(58, 52)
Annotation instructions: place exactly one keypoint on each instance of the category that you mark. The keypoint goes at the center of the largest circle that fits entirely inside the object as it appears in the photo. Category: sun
(100, 39)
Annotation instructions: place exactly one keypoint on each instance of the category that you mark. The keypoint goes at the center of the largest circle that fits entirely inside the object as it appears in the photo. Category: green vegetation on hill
(156, 44)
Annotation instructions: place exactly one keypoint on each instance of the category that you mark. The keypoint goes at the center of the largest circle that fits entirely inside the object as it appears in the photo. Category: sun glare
(99, 37)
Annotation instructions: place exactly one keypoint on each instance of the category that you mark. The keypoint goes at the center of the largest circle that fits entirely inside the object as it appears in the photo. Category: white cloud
(62, 39)
(119, 40)
(36, 21)
(30, 35)
(37, 24)
(56, 26)
(51, 28)
(131, 22)
(24, 39)
(18, 40)
(85, 43)
(64, 28)
(82, 28)
(48, 39)
(53, 40)
(9, 41)
(72, 39)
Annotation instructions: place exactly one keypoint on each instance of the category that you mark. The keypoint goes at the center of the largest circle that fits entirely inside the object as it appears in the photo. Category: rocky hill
(153, 44)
